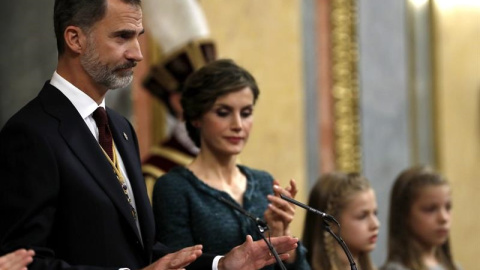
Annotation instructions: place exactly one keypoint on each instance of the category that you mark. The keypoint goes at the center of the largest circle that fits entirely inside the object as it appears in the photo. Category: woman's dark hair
(204, 86)
(82, 13)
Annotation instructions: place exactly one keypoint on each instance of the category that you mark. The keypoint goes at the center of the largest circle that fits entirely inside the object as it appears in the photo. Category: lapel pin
(125, 135)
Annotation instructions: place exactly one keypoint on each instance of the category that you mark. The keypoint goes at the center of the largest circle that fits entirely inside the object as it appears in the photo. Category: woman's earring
(196, 124)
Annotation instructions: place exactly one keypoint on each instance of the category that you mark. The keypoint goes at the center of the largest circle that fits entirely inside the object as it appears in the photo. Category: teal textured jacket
(189, 212)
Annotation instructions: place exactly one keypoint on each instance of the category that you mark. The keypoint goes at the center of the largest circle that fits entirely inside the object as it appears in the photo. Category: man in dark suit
(71, 186)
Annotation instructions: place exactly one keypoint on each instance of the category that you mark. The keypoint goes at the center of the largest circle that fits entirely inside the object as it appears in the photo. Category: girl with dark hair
(218, 102)
(419, 222)
(349, 198)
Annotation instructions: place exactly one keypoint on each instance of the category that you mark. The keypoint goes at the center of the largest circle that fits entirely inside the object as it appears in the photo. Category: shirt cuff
(215, 262)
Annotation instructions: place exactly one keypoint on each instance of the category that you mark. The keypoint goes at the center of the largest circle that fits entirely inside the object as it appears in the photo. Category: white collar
(84, 104)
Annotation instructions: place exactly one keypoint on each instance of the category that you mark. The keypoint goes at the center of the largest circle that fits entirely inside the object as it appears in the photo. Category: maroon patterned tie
(104, 134)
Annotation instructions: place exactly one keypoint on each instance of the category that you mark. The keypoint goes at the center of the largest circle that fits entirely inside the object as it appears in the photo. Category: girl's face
(430, 215)
(360, 223)
(225, 128)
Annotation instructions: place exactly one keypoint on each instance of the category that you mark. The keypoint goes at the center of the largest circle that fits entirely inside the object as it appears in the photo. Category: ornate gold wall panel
(345, 85)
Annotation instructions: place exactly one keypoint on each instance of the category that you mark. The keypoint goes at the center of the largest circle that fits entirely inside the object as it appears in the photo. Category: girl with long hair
(419, 222)
(349, 198)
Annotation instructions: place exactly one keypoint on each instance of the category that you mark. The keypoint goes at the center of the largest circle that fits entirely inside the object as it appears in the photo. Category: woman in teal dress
(218, 102)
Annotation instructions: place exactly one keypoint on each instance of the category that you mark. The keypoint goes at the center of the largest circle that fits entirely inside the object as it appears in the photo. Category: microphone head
(261, 222)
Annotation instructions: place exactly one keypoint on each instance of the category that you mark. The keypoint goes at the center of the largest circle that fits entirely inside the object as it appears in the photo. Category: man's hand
(177, 260)
(255, 255)
(17, 260)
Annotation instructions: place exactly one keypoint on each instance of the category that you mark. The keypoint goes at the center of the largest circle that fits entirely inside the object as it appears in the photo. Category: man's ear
(75, 39)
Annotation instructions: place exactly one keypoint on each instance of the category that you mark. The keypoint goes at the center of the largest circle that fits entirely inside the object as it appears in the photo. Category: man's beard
(109, 77)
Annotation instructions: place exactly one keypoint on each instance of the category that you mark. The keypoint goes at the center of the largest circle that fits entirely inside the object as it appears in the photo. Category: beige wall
(265, 37)
(457, 56)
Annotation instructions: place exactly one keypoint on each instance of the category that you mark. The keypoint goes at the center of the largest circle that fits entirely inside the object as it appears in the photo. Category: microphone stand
(326, 218)
(261, 228)
(339, 239)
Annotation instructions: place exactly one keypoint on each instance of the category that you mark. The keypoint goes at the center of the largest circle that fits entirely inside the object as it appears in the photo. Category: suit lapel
(81, 141)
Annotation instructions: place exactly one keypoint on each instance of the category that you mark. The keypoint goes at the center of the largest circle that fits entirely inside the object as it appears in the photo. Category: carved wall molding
(345, 88)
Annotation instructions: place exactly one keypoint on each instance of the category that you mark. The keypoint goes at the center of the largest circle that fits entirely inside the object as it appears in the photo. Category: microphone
(326, 226)
(259, 222)
(325, 216)
(261, 226)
